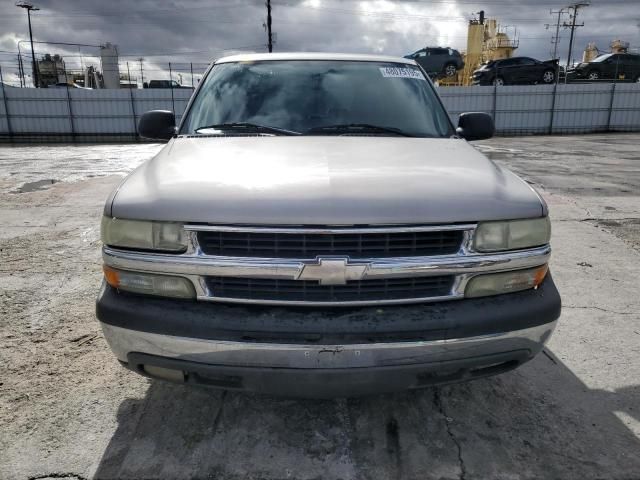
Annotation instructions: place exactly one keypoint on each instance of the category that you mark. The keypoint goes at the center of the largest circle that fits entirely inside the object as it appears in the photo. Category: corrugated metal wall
(51, 113)
(91, 115)
(539, 109)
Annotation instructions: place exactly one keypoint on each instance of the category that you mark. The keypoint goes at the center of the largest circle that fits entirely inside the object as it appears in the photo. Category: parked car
(516, 70)
(316, 226)
(611, 66)
(68, 85)
(438, 61)
(163, 84)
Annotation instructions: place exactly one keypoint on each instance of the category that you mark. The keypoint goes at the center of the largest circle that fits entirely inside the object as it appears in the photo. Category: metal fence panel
(582, 108)
(38, 110)
(458, 100)
(625, 114)
(524, 109)
(109, 112)
(4, 120)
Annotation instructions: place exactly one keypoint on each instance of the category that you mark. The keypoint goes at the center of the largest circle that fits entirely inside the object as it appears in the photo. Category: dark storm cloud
(197, 31)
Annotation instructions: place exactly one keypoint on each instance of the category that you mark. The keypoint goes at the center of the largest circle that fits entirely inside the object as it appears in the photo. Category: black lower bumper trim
(331, 383)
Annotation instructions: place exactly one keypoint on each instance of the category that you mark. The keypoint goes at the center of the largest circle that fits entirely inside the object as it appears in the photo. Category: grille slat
(310, 245)
(311, 291)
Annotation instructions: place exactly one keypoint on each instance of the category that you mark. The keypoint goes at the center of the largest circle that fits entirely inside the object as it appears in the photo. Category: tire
(499, 81)
(593, 75)
(548, 77)
(449, 70)
(637, 80)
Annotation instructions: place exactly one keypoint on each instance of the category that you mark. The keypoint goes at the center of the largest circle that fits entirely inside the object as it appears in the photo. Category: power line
(555, 40)
(573, 27)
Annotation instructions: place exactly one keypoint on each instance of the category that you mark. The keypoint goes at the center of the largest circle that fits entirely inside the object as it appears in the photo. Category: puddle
(35, 186)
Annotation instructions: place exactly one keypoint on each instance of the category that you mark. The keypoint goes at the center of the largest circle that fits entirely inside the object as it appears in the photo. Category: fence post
(133, 108)
(191, 67)
(553, 109)
(73, 130)
(613, 94)
(495, 104)
(173, 104)
(6, 107)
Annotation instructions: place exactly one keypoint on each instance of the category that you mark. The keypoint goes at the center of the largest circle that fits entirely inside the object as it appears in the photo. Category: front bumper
(482, 78)
(576, 76)
(328, 352)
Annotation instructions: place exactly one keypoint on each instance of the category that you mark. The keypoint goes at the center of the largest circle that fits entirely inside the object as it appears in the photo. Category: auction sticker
(397, 72)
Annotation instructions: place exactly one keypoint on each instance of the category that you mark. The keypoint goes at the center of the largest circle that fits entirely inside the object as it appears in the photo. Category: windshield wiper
(246, 127)
(357, 128)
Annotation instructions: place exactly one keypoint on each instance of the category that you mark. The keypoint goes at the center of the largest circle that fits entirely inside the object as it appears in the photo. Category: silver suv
(438, 62)
(316, 226)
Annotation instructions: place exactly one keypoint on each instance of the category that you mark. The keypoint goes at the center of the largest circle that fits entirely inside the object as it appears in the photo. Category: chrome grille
(265, 289)
(309, 245)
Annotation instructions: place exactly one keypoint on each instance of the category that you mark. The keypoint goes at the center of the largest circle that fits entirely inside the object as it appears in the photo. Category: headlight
(149, 283)
(505, 282)
(512, 235)
(165, 236)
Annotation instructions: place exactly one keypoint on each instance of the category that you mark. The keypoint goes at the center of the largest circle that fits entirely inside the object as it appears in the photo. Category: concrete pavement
(67, 407)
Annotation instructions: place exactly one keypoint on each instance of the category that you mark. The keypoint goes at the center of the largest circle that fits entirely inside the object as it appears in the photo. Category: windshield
(602, 58)
(305, 96)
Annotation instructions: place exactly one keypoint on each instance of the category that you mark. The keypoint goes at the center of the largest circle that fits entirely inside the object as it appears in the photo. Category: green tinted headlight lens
(143, 235)
(512, 235)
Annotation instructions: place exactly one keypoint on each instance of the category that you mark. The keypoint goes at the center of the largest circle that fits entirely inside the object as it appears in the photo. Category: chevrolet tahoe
(316, 226)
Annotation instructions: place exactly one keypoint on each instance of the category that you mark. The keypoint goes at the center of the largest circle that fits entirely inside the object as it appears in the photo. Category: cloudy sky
(182, 31)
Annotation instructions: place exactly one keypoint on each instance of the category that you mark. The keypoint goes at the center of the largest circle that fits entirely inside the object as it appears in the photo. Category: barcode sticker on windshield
(396, 72)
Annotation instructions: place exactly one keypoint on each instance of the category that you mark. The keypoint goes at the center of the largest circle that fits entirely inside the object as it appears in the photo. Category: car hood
(322, 180)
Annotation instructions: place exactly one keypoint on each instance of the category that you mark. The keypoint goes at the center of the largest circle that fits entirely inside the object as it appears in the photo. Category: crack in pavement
(437, 401)
(342, 412)
(599, 308)
(546, 354)
(70, 476)
(216, 420)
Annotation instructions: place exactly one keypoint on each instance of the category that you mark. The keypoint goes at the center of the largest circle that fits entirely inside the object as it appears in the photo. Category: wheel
(450, 70)
(499, 81)
(593, 75)
(638, 79)
(549, 76)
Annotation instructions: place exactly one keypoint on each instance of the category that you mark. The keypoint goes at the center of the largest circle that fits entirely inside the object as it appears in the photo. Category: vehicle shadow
(539, 421)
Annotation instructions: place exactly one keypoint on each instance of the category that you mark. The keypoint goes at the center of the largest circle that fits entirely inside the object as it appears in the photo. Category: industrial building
(53, 71)
(486, 40)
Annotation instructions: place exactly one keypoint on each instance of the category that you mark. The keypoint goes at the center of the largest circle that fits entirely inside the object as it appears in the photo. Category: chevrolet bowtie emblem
(332, 271)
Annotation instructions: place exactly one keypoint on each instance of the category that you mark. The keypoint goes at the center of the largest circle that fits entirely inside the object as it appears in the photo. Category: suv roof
(254, 57)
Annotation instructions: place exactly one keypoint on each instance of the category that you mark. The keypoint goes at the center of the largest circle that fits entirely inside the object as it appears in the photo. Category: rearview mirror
(475, 126)
(157, 125)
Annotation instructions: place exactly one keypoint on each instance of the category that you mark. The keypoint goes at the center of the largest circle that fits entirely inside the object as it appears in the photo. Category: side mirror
(157, 125)
(475, 126)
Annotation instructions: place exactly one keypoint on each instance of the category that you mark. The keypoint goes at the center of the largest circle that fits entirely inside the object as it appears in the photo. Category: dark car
(611, 66)
(438, 61)
(67, 85)
(516, 70)
(163, 84)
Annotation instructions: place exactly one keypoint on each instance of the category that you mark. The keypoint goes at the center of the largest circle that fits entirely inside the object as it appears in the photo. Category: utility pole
(269, 36)
(20, 70)
(141, 72)
(556, 39)
(30, 8)
(573, 27)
